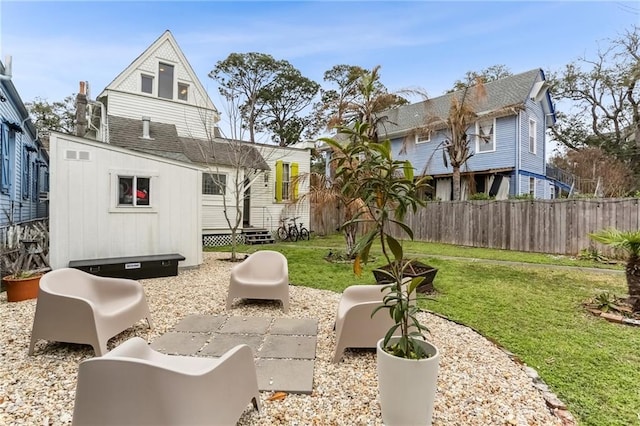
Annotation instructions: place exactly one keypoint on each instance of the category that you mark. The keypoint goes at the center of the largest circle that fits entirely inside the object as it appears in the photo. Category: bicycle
(303, 233)
(287, 233)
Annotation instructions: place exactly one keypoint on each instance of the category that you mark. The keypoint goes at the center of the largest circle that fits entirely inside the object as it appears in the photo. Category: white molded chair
(77, 307)
(355, 328)
(135, 385)
(263, 275)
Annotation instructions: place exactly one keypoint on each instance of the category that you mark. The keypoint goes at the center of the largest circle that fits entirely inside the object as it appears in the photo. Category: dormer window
(165, 81)
(146, 83)
(183, 91)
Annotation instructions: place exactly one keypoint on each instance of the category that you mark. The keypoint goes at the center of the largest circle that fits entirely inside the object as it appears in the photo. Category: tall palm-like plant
(629, 241)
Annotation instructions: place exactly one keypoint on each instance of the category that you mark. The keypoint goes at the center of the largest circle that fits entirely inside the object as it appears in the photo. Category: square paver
(221, 343)
(246, 325)
(295, 326)
(176, 343)
(200, 323)
(278, 346)
(289, 375)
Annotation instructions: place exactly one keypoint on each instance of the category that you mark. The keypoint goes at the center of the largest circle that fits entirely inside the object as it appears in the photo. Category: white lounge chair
(77, 307)
(263, 275)
(135, 385)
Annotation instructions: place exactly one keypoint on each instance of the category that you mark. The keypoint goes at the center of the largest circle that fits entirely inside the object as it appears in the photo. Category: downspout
(518, 153)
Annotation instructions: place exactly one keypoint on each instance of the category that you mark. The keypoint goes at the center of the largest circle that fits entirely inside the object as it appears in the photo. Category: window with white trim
(183, 91)
(146, 83)
(485, 135)
(214, 183)
(532, 186)
(286, 180)
(532, 136)
(423, 137)
(165, 81)
(134, 191)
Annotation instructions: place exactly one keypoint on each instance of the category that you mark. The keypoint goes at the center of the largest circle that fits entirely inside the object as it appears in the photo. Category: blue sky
(421, 44)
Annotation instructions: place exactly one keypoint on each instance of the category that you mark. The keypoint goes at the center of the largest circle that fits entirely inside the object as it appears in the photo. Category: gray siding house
(24, 162)
(508, 141)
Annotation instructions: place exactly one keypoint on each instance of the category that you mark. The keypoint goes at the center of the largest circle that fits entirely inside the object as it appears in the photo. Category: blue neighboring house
(24, 162)
(508, 141)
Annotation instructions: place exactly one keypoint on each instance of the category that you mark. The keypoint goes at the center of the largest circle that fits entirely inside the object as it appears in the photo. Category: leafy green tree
(282, 102)
(241, 78)
(629, 241)
(605, 92)
(487, 75)
(56, 116)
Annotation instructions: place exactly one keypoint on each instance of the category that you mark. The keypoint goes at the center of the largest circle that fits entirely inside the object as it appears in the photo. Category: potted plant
(407, 363)
(22, 285)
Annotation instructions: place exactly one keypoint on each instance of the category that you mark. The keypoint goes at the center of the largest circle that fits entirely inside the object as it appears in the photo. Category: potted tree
(407, 363)
(22, 285)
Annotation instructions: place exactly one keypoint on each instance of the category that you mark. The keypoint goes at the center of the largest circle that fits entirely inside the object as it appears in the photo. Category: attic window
(183, 92)
(424, 136)
(165, 81)
(146, 83)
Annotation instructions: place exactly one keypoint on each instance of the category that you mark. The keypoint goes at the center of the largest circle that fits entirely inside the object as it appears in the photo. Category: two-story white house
(146, 133)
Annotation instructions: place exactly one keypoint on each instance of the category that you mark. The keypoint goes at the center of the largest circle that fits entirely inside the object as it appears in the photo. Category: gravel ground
(478, 383)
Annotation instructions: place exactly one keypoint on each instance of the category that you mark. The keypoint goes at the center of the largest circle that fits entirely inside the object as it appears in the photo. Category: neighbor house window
(532, 186)
(486, 138)
(35, 192)
(7, 139)
(532, 136)
(286, 186)
(146, 83)
(183, 92)
(424, 136)
(26, 173)
(165, 81)
(134, 190)
(214, 183)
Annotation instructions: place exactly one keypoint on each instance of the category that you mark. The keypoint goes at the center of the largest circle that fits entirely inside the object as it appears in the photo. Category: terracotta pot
(19, 289)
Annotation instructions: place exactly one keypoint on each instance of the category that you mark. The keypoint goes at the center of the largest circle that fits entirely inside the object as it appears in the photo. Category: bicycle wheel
(304, 234)
(293, 234)
(282, 233)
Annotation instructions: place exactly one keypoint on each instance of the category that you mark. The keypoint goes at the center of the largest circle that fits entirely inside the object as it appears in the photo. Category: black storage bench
(132, 267)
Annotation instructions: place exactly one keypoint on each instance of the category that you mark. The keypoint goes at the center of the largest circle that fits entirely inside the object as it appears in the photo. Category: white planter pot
(407, 387)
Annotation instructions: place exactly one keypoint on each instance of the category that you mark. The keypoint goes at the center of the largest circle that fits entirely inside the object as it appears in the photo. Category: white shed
(108, 201)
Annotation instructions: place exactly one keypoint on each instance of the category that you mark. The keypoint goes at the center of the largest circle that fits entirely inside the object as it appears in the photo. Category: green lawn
(534, 312)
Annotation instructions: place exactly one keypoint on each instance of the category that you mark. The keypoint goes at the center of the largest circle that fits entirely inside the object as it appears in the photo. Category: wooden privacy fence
(558, 226)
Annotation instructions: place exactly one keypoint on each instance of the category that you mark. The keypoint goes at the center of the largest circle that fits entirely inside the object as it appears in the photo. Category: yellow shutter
(279, 181)
(294, 180)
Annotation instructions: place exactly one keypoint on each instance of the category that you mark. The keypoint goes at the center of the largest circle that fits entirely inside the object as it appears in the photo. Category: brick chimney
(81, 110)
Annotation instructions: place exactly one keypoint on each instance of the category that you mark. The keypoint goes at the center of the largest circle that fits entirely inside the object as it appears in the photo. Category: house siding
(265, 211)
(530, 162)
(85, 224)
(190, 121)
(213, 217)
(13, 206)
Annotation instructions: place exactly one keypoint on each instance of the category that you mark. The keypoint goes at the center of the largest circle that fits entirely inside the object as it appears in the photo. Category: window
(286, 186)
(424, 136)
(183, 92)
(485, 140)
(26, 173)
(5, 158)
(35, 192)
(130, 185)
(532, 136)
(214, 183)
(165, 81)
(146, 83)
(532, 186)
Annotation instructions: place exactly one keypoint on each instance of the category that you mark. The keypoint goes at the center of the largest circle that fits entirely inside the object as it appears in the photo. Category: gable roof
(501, 94)
(166, 40)
(165, 142)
